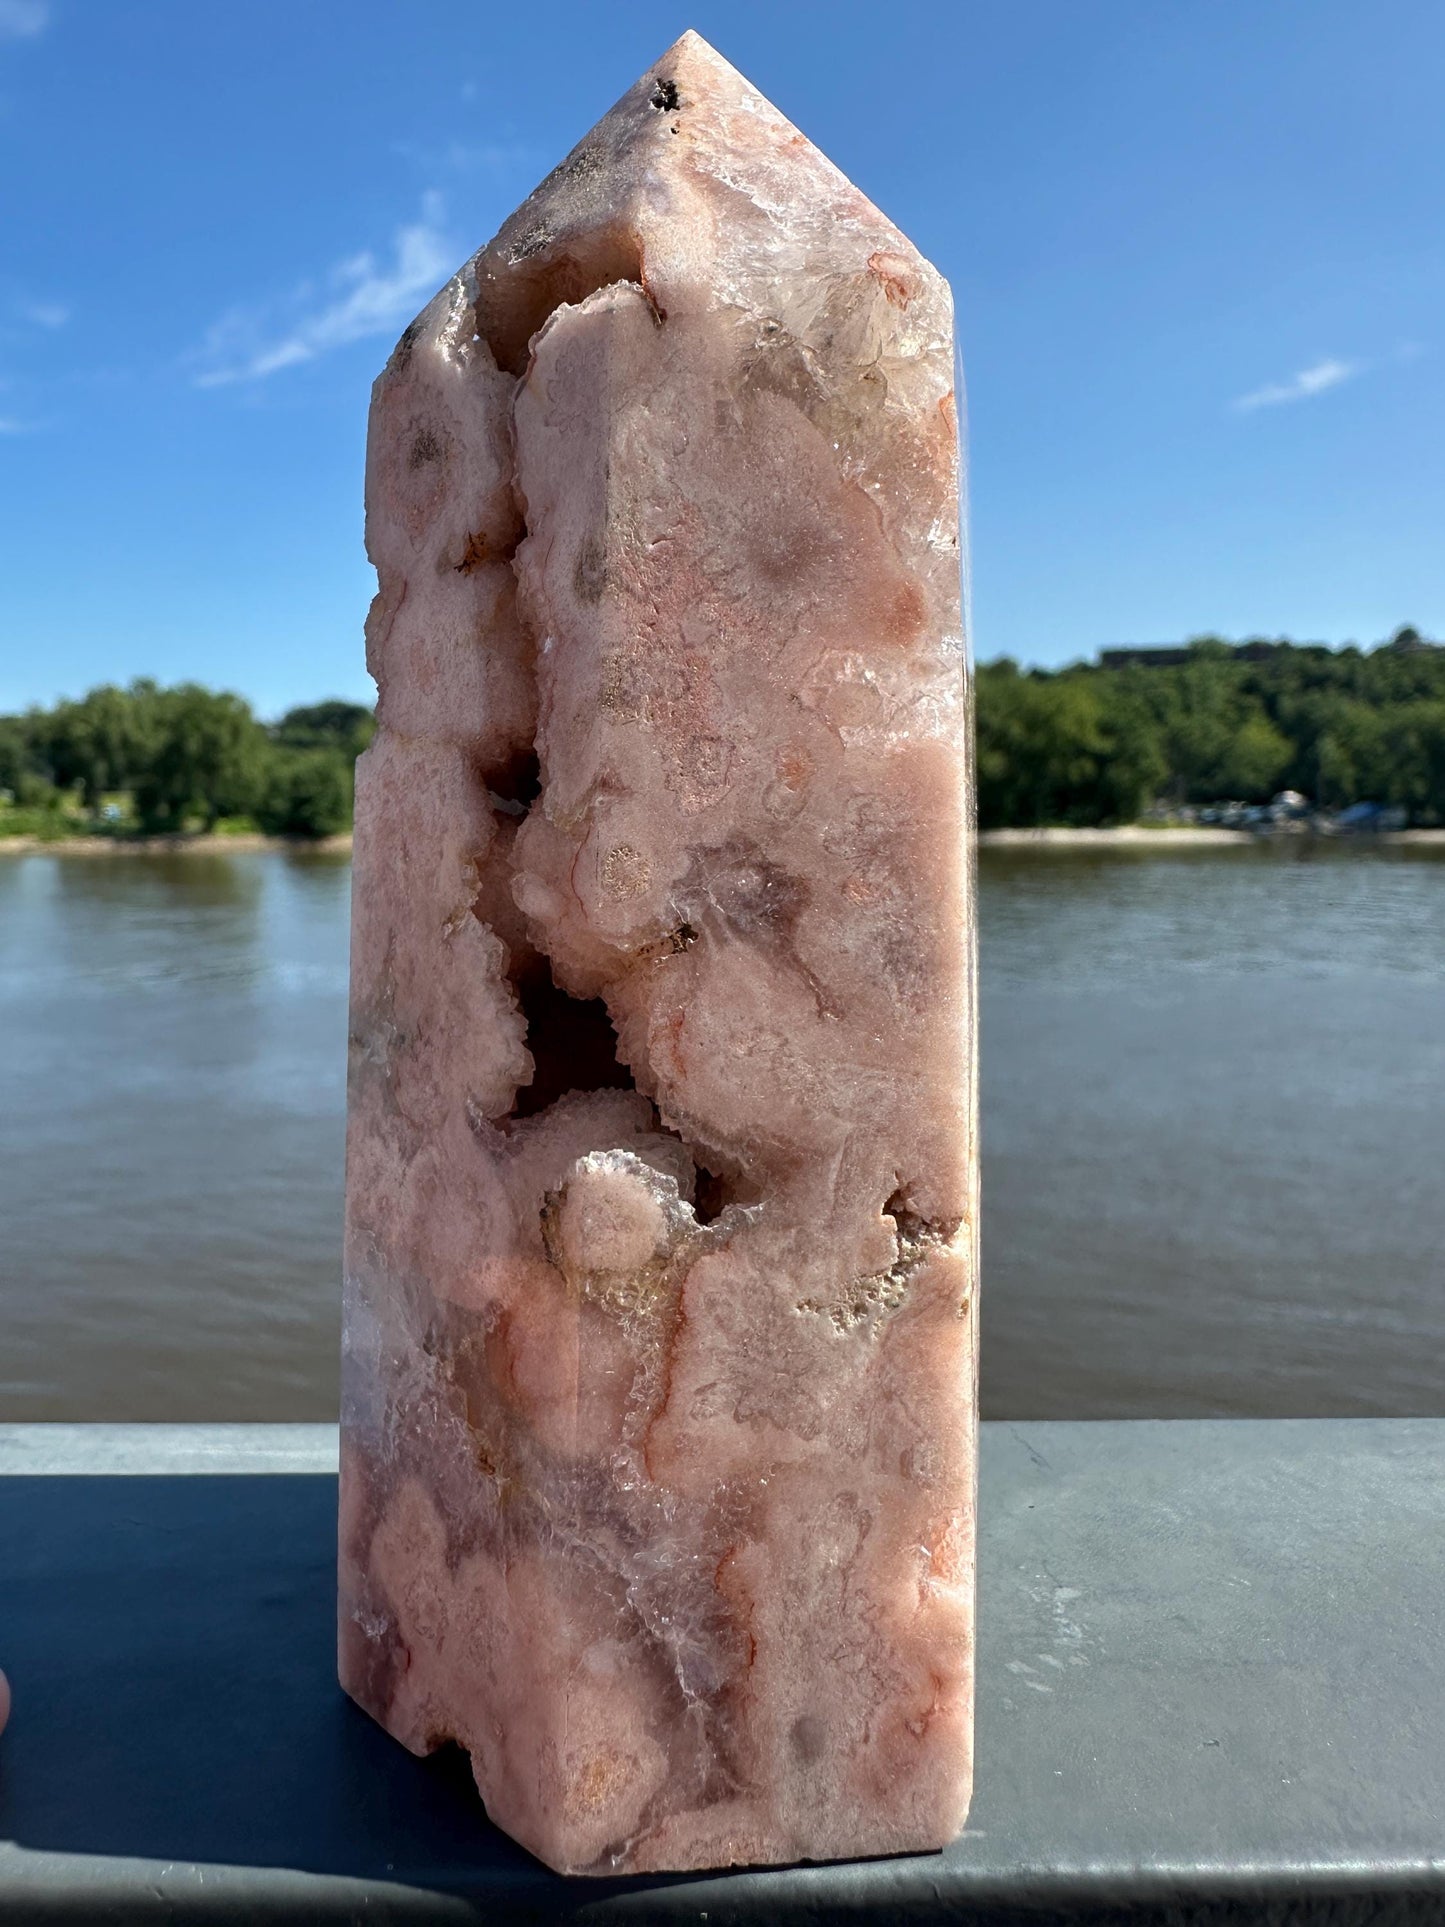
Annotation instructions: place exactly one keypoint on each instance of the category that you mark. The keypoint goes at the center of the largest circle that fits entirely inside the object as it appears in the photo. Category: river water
(1213, 1100)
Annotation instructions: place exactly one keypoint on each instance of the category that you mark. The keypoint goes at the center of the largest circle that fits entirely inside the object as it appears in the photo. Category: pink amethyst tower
(660, 1358)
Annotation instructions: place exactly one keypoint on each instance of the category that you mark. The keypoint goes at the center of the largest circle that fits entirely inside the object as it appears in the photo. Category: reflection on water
(171, 1135)
(1212, 1119)
(1211, 1092)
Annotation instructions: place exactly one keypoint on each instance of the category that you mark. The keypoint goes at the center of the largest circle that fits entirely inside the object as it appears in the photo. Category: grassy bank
(178, 845)
(1125, 836)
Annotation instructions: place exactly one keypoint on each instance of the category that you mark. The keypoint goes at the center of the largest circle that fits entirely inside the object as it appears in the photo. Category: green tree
(1351, 756)
(207, 759)
(22, 772)
(307, 793)
(1254, 760)
(330, 725)
(1085, 744)
(102, 742)
(1062, 748)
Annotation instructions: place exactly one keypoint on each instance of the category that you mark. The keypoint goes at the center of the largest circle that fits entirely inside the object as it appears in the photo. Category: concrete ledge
(124, 1451)
(1212, 1688)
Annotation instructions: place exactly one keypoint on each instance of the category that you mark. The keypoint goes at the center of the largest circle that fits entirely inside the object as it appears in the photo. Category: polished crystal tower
(660, 1357)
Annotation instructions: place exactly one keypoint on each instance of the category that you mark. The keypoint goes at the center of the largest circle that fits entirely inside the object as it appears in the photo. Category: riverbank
(1123, 836)
(1120, 836)
(245, 845)
(1139, 836)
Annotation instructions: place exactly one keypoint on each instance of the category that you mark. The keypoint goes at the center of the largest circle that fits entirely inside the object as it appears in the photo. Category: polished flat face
(659, 1392)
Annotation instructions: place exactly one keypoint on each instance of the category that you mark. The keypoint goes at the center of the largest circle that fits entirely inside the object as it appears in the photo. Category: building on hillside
(1142, 658)
(1175, 656)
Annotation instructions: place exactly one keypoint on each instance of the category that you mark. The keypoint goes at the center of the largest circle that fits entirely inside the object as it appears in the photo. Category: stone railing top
(1210, 1683)
(92, 1451)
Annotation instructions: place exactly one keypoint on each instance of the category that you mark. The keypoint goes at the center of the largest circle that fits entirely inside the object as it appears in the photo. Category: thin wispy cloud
(1317, 379)
(501, 159)
(43, 314)
(363, 296)
(23, 19)
(10, 426)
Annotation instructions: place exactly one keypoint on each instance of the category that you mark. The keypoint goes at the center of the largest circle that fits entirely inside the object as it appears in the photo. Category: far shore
(1142, 836)
(1123, 836)
(1127, 835)
(245, 845)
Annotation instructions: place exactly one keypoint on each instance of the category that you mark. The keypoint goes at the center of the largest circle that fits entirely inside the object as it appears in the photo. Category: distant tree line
(158, 760)
(1212, 722)
(1093, 743)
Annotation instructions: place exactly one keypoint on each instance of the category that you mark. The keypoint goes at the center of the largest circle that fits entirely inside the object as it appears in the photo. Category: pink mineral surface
(658, 1456)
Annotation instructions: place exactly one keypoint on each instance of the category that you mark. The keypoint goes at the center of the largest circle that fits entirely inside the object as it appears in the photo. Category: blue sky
(1196, 251)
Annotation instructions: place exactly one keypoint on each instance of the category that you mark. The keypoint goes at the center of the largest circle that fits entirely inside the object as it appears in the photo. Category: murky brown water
(1214, 1112)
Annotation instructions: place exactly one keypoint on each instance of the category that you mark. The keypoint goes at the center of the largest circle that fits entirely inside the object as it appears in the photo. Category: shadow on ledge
(1210, 1690)
(171, 1646)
